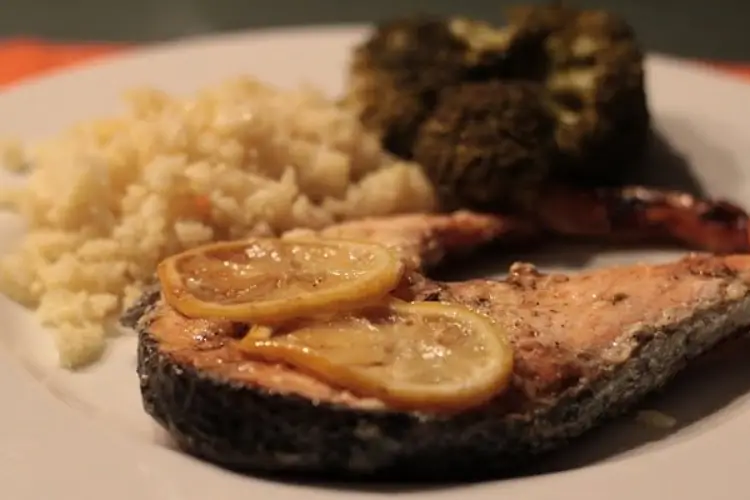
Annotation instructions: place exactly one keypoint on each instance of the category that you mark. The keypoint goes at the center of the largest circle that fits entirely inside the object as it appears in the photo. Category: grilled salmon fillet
(587, 347)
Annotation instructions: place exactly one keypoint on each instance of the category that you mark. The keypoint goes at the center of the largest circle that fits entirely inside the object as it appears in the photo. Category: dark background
(709, 29)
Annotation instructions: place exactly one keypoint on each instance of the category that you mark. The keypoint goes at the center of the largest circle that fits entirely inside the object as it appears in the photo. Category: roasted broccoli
(487, 145)
(596, 80)
(396, 74)
(583, 67)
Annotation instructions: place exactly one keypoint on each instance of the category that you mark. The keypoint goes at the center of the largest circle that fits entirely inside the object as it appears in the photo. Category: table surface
(706, 29)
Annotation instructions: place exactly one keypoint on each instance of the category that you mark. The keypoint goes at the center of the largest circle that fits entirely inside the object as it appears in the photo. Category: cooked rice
(12, 155)
(108, 199)
(656, 419)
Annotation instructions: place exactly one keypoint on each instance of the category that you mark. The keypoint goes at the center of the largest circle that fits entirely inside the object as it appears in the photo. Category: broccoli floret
(596, 80)
(487, 145)
(584, 70)
(396, 74)
(603, 129)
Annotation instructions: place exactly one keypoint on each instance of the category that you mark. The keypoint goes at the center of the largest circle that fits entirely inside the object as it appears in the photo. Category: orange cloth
(25, 57)
(22, 58)
(742, 70)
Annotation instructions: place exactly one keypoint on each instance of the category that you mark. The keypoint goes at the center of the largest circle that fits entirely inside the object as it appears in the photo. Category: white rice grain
(108, 199)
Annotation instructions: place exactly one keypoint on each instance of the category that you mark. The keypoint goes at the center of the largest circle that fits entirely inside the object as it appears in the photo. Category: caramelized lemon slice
(418, 356)
(272, 280)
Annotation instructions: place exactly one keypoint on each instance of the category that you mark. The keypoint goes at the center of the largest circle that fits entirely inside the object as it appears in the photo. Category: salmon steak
(586, 347)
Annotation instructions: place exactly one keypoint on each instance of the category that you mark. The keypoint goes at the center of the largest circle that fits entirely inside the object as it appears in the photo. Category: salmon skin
(587, 347)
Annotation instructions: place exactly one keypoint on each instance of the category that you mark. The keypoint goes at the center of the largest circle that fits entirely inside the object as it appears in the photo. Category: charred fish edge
(254, 430)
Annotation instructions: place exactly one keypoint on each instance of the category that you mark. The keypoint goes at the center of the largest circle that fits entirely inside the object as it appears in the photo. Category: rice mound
(106, 200)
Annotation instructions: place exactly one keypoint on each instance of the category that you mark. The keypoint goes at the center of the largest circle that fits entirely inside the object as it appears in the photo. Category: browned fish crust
(575, 375)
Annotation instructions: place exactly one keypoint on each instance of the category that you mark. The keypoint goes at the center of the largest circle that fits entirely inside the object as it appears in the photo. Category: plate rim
(163, 48)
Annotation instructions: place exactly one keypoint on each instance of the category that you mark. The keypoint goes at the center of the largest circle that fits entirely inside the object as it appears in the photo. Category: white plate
(83, 436)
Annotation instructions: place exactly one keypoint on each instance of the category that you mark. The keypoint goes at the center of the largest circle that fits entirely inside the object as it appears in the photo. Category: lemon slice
(270, 280)
(419, 356)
